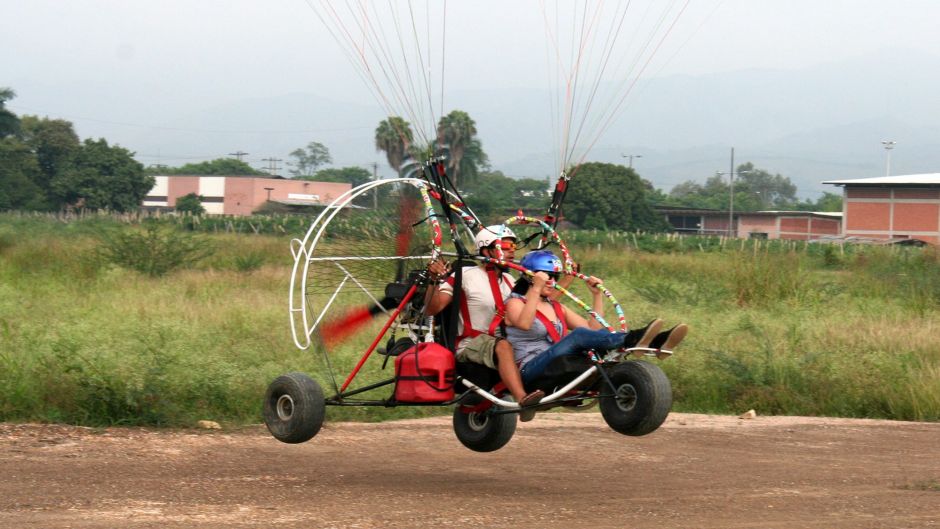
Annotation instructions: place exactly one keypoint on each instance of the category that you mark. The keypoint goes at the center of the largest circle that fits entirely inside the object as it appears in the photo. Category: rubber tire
(307, 408)
(484, 432)
(650, 407)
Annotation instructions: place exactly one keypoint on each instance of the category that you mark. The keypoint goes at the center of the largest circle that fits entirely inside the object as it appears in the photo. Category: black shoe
(643, 336)
(668, 340)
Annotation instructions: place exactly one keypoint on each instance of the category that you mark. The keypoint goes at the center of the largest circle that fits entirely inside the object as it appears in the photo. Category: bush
(191, 203)
(155, 251)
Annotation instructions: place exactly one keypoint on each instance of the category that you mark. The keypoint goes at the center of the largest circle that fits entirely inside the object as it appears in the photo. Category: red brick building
(892, 207)
(241, 195)
(794, 225)
(798, 225)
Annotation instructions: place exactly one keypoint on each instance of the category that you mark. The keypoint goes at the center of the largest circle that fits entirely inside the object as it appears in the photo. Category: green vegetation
(219, 166)
(755, 189)
(45, 167)
(781, 327)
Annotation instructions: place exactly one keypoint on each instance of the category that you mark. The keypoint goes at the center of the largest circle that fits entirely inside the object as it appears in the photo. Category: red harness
(553, 333)
(468, 330)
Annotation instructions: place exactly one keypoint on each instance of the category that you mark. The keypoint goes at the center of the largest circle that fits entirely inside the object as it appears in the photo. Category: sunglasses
(505, 245)
(551, 275)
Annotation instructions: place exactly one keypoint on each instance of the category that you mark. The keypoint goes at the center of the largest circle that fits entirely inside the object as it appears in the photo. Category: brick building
(799, 225)
(892, 207)
(241, 195)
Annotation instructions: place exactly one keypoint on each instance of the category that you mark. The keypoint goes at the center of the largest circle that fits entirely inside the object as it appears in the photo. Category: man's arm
(439, 294)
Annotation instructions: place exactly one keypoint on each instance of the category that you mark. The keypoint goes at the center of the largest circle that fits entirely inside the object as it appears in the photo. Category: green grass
(784, 328)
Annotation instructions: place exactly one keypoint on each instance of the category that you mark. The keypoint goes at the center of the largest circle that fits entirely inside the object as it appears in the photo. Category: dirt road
(562, 470)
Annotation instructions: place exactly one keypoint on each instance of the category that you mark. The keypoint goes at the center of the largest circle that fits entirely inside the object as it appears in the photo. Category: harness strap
(497, 322)
(553, 333)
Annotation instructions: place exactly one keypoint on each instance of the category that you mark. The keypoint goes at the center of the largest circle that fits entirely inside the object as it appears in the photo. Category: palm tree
(456, 131)
(394, 137)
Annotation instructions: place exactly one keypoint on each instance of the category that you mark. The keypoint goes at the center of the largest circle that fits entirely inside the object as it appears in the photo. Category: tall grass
(783, 328)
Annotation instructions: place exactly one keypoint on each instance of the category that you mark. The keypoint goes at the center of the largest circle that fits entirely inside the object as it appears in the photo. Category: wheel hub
(626, 397)
(285, 407)
(477, 421)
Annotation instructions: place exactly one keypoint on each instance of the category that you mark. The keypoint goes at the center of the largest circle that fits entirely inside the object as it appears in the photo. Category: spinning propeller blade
(338, 330)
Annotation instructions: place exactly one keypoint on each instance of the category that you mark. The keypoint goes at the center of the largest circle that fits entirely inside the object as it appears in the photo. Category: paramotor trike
(357, 254)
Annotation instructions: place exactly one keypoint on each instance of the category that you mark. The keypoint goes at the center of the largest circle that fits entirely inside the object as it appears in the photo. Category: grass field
(781, 328)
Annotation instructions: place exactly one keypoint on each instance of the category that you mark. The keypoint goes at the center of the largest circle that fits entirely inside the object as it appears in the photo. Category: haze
(804, 88)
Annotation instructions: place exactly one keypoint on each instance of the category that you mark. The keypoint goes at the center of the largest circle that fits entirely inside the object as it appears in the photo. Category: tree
(493, 196)
(219, 166)
(102, 177)
(19, 173)
(457, 131)
(352, 175)
(754, 189)
(829, 202)
(612, 196)
(394, 137)
(54, 143)
(776, 191)
(9, 123)
(309, 159)
(191, 203)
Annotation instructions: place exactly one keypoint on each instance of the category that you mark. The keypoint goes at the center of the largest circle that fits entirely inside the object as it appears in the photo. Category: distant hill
(811, 125)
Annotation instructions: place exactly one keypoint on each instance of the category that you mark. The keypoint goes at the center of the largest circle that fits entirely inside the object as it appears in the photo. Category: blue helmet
(542, 261)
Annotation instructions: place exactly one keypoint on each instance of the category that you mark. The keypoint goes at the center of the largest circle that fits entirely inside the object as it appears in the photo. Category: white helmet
(491, 234)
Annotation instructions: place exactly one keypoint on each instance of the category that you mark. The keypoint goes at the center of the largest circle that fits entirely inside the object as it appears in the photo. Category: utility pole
(375, 190)
(238, 154)
(731, 198)
(272, 165)
(888, 146)
(631, 157)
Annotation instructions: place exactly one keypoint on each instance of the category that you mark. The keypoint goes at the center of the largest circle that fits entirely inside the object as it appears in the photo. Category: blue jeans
(575, 342)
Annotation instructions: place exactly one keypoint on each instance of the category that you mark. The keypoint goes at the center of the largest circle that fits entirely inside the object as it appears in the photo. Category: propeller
(338, 330)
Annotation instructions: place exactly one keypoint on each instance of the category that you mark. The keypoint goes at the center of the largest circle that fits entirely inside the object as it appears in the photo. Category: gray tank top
(526, 345)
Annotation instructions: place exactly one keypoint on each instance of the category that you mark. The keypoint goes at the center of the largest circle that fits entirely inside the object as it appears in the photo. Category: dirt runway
(563, 470)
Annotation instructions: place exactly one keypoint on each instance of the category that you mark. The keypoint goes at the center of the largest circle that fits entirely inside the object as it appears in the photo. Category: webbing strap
(498, 299)
(497, 322)
(553, 333)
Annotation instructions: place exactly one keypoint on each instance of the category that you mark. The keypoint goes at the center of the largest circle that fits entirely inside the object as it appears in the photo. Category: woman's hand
(539, 280)
(592, 283)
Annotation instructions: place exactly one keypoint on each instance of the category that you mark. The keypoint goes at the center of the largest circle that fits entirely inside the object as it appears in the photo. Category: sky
(117, 68)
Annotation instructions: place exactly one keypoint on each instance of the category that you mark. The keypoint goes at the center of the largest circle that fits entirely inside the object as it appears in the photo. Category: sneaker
(668, 340)
(527, 414)
(643, 336)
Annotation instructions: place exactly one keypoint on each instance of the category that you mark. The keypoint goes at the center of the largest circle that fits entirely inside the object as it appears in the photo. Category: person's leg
(577, 341)
(497, 354)
(508, 372)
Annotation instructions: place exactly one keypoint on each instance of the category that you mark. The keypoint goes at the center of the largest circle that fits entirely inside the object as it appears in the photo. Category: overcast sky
(110, 64)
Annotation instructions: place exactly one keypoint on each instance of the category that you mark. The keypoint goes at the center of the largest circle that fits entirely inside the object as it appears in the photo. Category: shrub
(191, 203)
(155, 251)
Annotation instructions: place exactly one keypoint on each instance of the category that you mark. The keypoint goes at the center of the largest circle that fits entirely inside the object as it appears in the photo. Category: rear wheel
(484, 431)
(294, 408)
(641, 401)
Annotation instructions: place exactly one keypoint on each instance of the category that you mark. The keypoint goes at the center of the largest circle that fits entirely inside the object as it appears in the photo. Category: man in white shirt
(480, 334)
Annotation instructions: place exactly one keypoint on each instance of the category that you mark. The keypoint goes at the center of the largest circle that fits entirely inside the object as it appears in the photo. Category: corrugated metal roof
(907, 180)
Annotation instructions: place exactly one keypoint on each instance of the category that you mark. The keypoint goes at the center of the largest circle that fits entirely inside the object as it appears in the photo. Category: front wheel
(484, 431)
(641, 400)
(294, 408)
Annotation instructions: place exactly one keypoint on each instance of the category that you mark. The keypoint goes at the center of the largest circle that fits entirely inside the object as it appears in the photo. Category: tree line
(44, 166)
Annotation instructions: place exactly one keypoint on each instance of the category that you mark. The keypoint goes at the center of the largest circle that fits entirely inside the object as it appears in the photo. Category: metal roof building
(892, 207)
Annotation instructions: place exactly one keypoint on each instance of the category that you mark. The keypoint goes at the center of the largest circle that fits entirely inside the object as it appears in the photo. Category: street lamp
(888, 146)
(631, 157)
